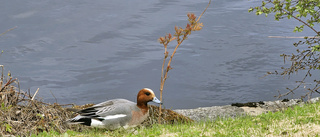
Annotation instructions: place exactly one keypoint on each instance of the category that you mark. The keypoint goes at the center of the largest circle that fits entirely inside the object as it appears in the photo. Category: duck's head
(146, 95)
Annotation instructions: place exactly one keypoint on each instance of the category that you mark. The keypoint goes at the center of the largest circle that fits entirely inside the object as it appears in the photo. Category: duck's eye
(147, 93)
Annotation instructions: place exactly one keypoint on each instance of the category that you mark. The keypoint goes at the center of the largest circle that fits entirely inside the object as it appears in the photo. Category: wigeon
(116, 113)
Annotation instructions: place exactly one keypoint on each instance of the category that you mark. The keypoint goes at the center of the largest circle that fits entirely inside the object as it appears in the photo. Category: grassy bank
(297, 121)
(23, 114)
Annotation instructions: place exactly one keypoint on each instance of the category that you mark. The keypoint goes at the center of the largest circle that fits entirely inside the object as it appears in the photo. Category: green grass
(297, 121)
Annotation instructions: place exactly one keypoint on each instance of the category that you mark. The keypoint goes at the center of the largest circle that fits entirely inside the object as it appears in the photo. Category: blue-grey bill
(156, 100)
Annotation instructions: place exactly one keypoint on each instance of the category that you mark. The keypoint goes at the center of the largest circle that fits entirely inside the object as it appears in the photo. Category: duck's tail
(79, 120)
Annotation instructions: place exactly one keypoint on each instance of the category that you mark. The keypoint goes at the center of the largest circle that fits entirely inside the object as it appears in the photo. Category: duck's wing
(108, 109)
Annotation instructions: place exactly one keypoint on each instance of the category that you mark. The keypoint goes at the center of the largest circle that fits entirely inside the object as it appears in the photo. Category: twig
(35, 94)
(318, 33)
(292, 90)
(1, 81)
(291, 37)
(8, 30)
(288, 13)
(193, 26)
(8, 83)
(204, 11)
(54, 96)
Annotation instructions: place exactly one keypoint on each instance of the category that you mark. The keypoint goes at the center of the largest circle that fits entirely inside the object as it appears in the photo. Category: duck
(117, 113)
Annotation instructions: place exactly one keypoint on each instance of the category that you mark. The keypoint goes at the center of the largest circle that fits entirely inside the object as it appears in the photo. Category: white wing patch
(113, 116)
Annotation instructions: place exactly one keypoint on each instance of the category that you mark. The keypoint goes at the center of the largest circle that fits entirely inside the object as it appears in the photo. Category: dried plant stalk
(180, 35)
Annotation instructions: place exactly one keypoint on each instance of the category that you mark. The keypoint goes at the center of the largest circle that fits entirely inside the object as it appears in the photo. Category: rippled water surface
(91, 51)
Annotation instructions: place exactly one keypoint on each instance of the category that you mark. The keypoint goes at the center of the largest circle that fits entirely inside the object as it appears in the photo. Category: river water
(90, 51)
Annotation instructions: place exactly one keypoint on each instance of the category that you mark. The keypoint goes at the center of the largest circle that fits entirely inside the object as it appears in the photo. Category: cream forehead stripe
(149, 90)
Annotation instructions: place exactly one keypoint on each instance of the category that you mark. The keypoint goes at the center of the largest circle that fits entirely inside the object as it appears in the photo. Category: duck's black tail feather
(83, 121)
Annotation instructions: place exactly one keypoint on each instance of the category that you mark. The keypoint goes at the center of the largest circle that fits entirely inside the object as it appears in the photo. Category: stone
(240, 109)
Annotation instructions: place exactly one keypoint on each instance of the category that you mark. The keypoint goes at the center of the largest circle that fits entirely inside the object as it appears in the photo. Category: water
(87, 52)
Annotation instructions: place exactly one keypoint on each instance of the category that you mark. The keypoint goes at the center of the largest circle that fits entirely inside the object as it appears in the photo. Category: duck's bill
(156, 100)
